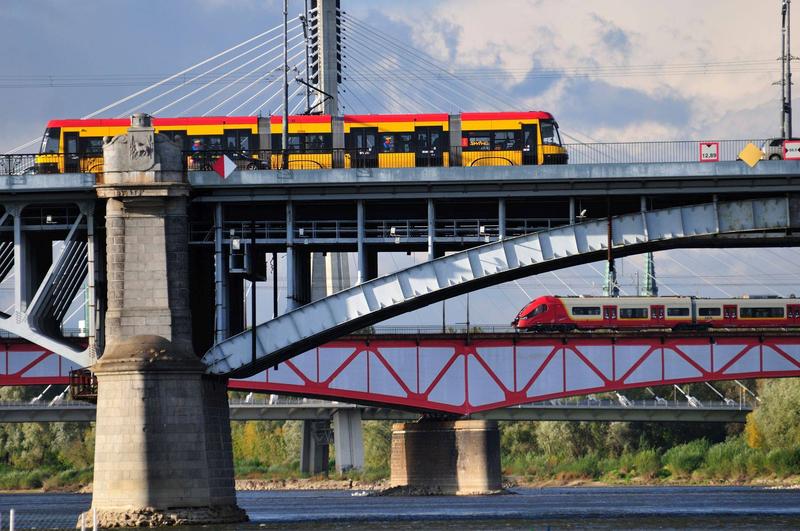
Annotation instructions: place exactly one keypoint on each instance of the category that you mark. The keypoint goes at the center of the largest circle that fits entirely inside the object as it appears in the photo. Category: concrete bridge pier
(163, 448)
(446, 457)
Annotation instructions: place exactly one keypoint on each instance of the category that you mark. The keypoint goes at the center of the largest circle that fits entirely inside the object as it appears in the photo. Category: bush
(730, 460)
(584, 467)
(647, 463)
(784, 462)
(684, 459)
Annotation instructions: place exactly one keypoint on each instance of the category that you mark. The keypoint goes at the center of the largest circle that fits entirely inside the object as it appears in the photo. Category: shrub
(684, 459)
(647, 463)
(784, 462)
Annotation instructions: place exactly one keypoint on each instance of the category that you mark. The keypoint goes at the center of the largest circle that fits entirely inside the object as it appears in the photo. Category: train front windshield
(550, 133)
(50, 140)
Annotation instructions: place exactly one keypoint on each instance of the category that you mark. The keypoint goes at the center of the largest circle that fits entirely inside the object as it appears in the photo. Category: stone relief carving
(141, 149)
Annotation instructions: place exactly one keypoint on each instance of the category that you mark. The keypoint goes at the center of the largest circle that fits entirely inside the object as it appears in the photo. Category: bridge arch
(747, 223)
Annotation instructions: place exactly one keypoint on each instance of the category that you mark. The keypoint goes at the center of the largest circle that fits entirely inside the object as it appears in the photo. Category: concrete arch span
(748, 223)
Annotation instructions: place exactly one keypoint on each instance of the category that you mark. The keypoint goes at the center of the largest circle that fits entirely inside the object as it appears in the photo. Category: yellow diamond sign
(751, 155)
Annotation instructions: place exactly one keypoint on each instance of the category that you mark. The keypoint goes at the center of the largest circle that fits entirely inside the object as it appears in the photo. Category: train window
(761, 313)
(50, 140)
(536, 311)
(550, 133)
(633, 313)
(177, 135)
(709, 312)
(677, 312)
(585, 310)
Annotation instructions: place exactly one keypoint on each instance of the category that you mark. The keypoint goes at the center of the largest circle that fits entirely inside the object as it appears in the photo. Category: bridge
(324, 410)
(162, 254)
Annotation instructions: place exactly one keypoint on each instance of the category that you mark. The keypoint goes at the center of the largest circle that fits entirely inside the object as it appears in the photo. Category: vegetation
(767, 448)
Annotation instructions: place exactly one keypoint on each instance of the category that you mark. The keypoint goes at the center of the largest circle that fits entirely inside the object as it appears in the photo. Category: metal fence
(205, 160)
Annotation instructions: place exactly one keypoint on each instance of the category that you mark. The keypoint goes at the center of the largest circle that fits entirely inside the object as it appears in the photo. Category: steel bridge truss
(460, 377)
(46, 260)
(757, 222)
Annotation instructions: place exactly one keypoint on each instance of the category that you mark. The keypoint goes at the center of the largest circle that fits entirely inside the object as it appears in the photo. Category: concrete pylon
(349, 440)
(446, 457)
(163, 447)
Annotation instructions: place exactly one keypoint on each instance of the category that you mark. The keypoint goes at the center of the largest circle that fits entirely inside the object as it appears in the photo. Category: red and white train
(550, 313)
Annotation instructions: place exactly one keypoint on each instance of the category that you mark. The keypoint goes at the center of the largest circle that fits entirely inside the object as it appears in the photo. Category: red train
(550, 313)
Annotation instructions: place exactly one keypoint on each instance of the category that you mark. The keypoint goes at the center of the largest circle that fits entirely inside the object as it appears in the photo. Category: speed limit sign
(709, 151)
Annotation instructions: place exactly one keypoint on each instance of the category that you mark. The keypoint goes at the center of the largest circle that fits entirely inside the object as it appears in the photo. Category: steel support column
(220, 309)
(291, 302)
(361, 236)
(431, 229)
(501, 218)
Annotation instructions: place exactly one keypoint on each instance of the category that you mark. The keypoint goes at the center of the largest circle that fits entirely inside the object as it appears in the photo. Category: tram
(323, 142)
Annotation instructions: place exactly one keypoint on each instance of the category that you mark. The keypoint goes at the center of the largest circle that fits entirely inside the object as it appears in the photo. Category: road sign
(791, 150)
(709, 151)
(751, 155)
(224, 166)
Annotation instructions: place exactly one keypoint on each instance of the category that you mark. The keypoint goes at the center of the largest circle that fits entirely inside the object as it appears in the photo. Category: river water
(548, 508)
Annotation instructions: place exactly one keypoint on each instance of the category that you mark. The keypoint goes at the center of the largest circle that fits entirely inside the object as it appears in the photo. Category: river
(548, 508)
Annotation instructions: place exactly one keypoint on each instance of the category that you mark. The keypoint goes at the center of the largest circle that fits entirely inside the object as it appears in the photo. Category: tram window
(506, 140)
(477, 141)
(550, 133)
(237, 140)
(90, 145)
(388, 143)
(316, 142)
(760, 313)
(176, 135)
(677, 312)
(633, 313)
(214, 143)
(50, 140)
(294, 143)
(585, 310)
(709, 312)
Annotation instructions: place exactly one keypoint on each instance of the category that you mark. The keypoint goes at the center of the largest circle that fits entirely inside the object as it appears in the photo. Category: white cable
(264, 103)
(182, 72)
(237, 93)
(223, 76)
(698, 276)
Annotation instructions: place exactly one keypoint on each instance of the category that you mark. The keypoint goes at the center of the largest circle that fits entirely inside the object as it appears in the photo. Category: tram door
(429, 142)
(530, 144)
(729, 313)
(72, 159)
(362, 147)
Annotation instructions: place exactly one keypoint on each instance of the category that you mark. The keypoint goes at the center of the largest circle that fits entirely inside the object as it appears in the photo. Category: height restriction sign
(709, 151)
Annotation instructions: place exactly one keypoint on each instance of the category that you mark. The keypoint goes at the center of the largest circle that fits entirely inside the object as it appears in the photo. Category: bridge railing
(314, 159)
(653, 152)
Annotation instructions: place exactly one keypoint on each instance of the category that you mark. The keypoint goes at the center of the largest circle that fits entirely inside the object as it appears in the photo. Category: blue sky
(610, 70)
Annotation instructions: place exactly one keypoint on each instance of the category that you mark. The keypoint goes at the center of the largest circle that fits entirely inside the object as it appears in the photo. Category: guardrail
(579, 153)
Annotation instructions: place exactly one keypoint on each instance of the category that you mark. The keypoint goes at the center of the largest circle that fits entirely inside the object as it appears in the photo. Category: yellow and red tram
(323, 142)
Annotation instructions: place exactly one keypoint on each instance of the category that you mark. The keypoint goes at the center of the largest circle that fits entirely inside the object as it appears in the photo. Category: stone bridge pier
(163, 446)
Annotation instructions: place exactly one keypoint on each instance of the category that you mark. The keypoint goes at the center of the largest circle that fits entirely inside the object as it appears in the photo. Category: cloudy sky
(608, 69)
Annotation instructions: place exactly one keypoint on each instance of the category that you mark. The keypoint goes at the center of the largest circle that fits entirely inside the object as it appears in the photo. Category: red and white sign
(224, 166)
(709, 151)
(791, 150)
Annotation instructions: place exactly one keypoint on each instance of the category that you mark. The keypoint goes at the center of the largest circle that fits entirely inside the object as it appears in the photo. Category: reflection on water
(553, 508)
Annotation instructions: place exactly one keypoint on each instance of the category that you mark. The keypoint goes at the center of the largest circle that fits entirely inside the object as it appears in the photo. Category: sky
(609, 70)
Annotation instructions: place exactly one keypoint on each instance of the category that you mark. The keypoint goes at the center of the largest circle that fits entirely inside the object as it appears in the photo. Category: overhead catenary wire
(416, 82)
(426, 60)
(247, 87)
(257, 110)
(182, 72)
(413, 56)
(243, 89)
(223, 76)
(387, 79)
